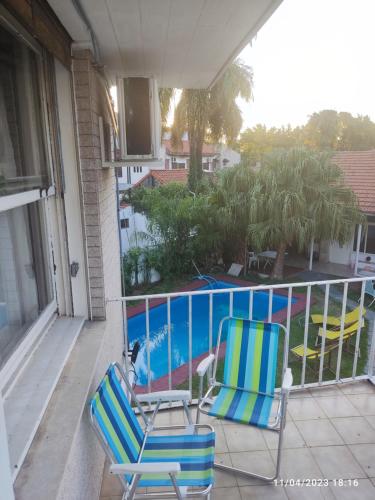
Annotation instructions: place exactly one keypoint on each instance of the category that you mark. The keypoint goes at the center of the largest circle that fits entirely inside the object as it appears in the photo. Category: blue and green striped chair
(247, 390)
(139, 458)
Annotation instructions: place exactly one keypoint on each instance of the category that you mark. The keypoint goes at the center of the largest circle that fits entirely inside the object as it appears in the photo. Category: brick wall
(98, 187)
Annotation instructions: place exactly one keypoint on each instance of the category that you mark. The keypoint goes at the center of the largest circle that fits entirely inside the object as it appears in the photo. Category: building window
(367, 239)
(124, 223)
(25, 258)
(137, 170)
(178, 164)
(25, 280)
(118, 171)
(23, 163)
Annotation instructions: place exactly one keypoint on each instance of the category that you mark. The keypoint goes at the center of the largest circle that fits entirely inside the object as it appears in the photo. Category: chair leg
(279, 451)
(176, 487)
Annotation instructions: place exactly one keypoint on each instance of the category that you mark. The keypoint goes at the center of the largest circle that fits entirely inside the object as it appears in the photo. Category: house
(359, 173)
(59, 231)
(214, 156)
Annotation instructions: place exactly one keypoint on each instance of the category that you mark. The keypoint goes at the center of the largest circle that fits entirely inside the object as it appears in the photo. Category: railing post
(6, 483)
(359, 235)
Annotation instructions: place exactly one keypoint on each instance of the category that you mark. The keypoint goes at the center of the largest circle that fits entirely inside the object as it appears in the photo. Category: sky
(312, 55)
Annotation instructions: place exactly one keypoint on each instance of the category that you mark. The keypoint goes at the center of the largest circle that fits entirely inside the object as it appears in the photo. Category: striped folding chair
(182, 460)
(247, 391)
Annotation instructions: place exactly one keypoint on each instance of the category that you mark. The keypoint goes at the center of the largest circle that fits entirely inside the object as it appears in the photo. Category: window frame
(46, 196)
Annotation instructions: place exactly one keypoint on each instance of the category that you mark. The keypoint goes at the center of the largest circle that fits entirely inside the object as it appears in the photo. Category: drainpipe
(82, 14)
(359, 236)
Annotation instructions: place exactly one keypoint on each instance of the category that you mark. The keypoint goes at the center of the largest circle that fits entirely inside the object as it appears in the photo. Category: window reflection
(22, 153)
(25, 282)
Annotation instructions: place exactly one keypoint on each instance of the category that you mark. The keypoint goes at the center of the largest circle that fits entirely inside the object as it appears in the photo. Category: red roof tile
(359, 172)
(165, 176)
(168, 176)
(184, 148)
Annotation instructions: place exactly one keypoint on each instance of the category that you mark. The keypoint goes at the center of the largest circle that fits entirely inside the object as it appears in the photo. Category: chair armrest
(146, 468)
(166, 396)
(205, 364)
(287, 381)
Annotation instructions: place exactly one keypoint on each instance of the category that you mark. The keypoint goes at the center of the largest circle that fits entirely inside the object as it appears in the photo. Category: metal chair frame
(138, 469)
(280, 419)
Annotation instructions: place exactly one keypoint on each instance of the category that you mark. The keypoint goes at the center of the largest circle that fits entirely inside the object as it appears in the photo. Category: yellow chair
(314, 355)
(334, 335)
(350, 317)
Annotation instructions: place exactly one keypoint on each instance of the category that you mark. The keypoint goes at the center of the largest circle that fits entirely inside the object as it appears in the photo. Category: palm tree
(211, 114)
(299, 195)
(165, 98)
(231, 197)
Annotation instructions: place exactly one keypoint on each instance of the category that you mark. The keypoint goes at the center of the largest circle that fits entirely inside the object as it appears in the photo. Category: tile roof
(184, 148)
(165, 176)
(359, 172)
(168, 176)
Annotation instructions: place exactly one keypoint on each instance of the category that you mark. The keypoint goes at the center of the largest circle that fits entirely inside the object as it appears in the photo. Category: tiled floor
(330, 435)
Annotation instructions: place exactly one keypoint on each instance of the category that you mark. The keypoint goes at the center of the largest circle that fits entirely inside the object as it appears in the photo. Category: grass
(296, 338)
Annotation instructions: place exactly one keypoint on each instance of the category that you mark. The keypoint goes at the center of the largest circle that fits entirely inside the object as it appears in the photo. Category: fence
(188, 318)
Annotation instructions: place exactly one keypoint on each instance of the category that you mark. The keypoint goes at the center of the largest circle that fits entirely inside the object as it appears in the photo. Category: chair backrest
(353, 315)
(369, 288)
(114, 417)
(251, 355)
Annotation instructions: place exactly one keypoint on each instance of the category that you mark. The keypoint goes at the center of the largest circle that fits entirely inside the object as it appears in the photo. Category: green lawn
(296, 338)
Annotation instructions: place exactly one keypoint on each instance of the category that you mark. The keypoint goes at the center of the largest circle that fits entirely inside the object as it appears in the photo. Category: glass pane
(370, 244)
(25, 280)
(22, 154)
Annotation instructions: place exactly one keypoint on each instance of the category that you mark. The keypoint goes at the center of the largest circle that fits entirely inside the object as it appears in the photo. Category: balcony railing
(333, 297)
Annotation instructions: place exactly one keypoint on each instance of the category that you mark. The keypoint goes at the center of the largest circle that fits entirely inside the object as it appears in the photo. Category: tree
(327, 130)
(255, 142)
(165, 97)
(231, 199)
(299, 195)
(182, 227)
(211, 114)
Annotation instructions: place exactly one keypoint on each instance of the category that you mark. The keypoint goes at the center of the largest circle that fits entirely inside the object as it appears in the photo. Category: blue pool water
(200, 326)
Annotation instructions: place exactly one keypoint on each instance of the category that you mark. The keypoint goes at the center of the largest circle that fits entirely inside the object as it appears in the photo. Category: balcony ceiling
(183, 43)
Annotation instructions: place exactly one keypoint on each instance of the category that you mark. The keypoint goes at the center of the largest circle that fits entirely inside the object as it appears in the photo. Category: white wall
(341, 254)
(137, 171)
(137, 224)
(229, 154)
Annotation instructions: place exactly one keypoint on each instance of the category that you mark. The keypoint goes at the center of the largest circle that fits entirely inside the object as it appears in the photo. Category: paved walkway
(330, 435)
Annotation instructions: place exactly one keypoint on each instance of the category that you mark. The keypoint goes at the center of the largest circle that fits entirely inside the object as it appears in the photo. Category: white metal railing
(330, 295)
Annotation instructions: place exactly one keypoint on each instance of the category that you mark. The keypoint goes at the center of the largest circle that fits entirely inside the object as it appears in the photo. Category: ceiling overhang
(183, 44)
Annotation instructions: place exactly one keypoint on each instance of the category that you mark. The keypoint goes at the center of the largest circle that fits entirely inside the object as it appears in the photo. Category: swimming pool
(200, 326)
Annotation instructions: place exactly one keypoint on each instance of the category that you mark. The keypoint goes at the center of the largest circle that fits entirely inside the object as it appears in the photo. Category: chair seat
(242, 406)
(194, 452)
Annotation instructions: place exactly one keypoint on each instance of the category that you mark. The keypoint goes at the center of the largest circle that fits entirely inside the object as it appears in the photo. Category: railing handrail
(260, 287)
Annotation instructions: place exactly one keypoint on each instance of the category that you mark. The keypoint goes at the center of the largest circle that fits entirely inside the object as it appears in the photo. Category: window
(26, 286)
(124, 223)
(22, 153)
(367, 239)
(118, 171)
(178, 164)
(137, 170)
(25, 281)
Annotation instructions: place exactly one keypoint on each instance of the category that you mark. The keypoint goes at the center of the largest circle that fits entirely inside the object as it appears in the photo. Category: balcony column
(5, 474)
(359, 235)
